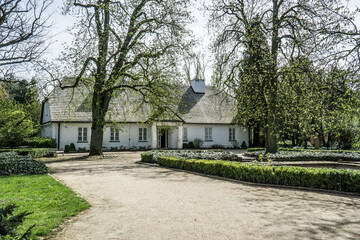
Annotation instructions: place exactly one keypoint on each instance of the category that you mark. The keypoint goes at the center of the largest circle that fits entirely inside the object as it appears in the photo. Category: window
(208, 134)
(114, 135)
(143, 134)
(185, 137)
(82, 134)
(232, 134)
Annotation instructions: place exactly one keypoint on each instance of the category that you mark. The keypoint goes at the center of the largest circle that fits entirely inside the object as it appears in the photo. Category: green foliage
(243, 145)
(70, 148)
(331, 179)
(191, 145)
(15, 124)
(198, 142)
(217, 146)
(33, 152)
(40, 142)
(9, 223)
(220, 154)
(50, 201)
(12, 163)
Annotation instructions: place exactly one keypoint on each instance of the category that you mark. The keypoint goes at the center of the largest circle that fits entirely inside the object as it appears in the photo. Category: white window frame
(232, 134)
(82, 134)
(143, 134)
(185, 135)
(114, 135)
(208, 134)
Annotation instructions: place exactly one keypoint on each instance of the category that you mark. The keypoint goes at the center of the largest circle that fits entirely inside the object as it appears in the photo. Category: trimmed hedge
(40, 142)
(151, 156)
(330, 179)
(33, 152)
(12, 163)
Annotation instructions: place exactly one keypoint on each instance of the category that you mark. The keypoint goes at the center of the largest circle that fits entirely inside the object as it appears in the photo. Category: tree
(22, 30)
(291, 28)
(128, 45)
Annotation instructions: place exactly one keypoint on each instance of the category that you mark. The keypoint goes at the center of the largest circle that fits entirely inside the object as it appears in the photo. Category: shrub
(33, 152)
(72, 147)
(185, 146)
(191, 145)
(9, 223)
(243, 145)
(40, 142)
(12, 163)
(198, 142)
(152, 156)
(217, 146)
(67, 148)
(331, 179)
(235, 144)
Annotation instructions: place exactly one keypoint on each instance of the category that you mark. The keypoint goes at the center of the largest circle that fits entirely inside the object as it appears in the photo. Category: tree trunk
(97, 132)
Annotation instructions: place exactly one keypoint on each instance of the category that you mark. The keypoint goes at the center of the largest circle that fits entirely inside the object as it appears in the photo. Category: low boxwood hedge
(12, 163)
(152, 156)
(331, 179)
(33, 152)
(259, 149)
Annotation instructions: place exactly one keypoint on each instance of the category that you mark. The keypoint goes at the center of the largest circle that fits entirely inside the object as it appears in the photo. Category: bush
(331, 179)
(33, 152)
(191, 145)
(219, 154)
(235, 144)
(9, 223)
(198, 142)
(67, 149)
(243, 145)
(186, 146)
(72, 147)
(217, 146)
(12, 163)
(40, 142)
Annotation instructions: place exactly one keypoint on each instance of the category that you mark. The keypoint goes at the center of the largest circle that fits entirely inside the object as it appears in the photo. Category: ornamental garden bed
(305, 155)
(321, 178)
(152, 156)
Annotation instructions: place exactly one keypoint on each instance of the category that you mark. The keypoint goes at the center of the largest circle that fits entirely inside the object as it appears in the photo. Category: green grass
(50, 201)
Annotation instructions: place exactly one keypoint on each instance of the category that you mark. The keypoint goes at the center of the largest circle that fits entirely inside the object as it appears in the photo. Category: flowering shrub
(152, 156)
(12, 163)
(332, 179)
(306, 156)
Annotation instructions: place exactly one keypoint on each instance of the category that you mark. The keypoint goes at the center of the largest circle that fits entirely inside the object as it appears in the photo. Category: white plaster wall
(46, 113)
(69, 134)
(220, 134)
(47, 131)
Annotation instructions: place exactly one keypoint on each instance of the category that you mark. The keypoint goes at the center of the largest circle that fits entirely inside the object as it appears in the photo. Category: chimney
(198, 86)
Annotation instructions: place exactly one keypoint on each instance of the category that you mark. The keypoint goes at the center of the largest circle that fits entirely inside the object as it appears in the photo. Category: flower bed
(152, 156)
(305, 156)
(331, 179)
(12, 163)
(33, 152)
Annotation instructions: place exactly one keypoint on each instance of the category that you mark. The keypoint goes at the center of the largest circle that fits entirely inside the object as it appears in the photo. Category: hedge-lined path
(138, 201)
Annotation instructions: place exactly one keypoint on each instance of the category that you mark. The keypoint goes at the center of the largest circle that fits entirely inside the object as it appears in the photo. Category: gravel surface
(137, 201)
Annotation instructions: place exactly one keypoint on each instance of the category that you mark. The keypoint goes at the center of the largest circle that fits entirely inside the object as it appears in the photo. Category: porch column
(153, 136)
(180, 137)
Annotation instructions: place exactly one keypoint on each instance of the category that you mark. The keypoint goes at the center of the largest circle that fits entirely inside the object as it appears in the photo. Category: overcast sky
(61, 36)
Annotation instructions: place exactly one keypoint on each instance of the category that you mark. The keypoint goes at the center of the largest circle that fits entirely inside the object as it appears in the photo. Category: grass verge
(50, 201)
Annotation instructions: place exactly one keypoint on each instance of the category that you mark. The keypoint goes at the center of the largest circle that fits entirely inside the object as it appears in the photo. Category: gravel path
(137, 201)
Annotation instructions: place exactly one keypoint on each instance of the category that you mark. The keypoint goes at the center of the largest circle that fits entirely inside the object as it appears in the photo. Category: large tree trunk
(100, 106)
(271, 144)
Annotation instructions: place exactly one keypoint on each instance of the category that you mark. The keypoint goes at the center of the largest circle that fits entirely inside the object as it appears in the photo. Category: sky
(60, 35)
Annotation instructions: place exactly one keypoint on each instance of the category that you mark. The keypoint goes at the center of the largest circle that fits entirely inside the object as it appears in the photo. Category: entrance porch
(166, 135)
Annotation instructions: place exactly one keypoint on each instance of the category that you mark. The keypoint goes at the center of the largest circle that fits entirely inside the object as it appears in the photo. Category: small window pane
(79, 134)
(140, 134)
(185, 136)
(145, 134)
(85, 134)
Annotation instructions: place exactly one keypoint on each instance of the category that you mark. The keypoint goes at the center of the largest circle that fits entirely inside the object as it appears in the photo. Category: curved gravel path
(136, 201)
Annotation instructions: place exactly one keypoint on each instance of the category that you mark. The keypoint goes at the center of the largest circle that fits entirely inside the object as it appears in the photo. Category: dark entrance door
(163, 138)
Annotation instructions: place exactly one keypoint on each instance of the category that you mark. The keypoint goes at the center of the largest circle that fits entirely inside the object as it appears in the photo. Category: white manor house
(203, 112)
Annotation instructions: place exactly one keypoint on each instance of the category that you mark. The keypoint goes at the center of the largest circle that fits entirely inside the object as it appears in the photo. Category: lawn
(50, 201)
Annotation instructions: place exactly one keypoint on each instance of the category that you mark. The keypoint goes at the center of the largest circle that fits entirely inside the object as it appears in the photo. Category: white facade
(128, 137)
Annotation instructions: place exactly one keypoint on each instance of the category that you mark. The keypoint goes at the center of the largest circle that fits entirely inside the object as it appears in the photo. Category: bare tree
(125, 45)
(291, 28)
(22, 30)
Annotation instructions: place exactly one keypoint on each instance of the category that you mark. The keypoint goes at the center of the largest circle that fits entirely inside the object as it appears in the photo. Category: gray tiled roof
(75, 105)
